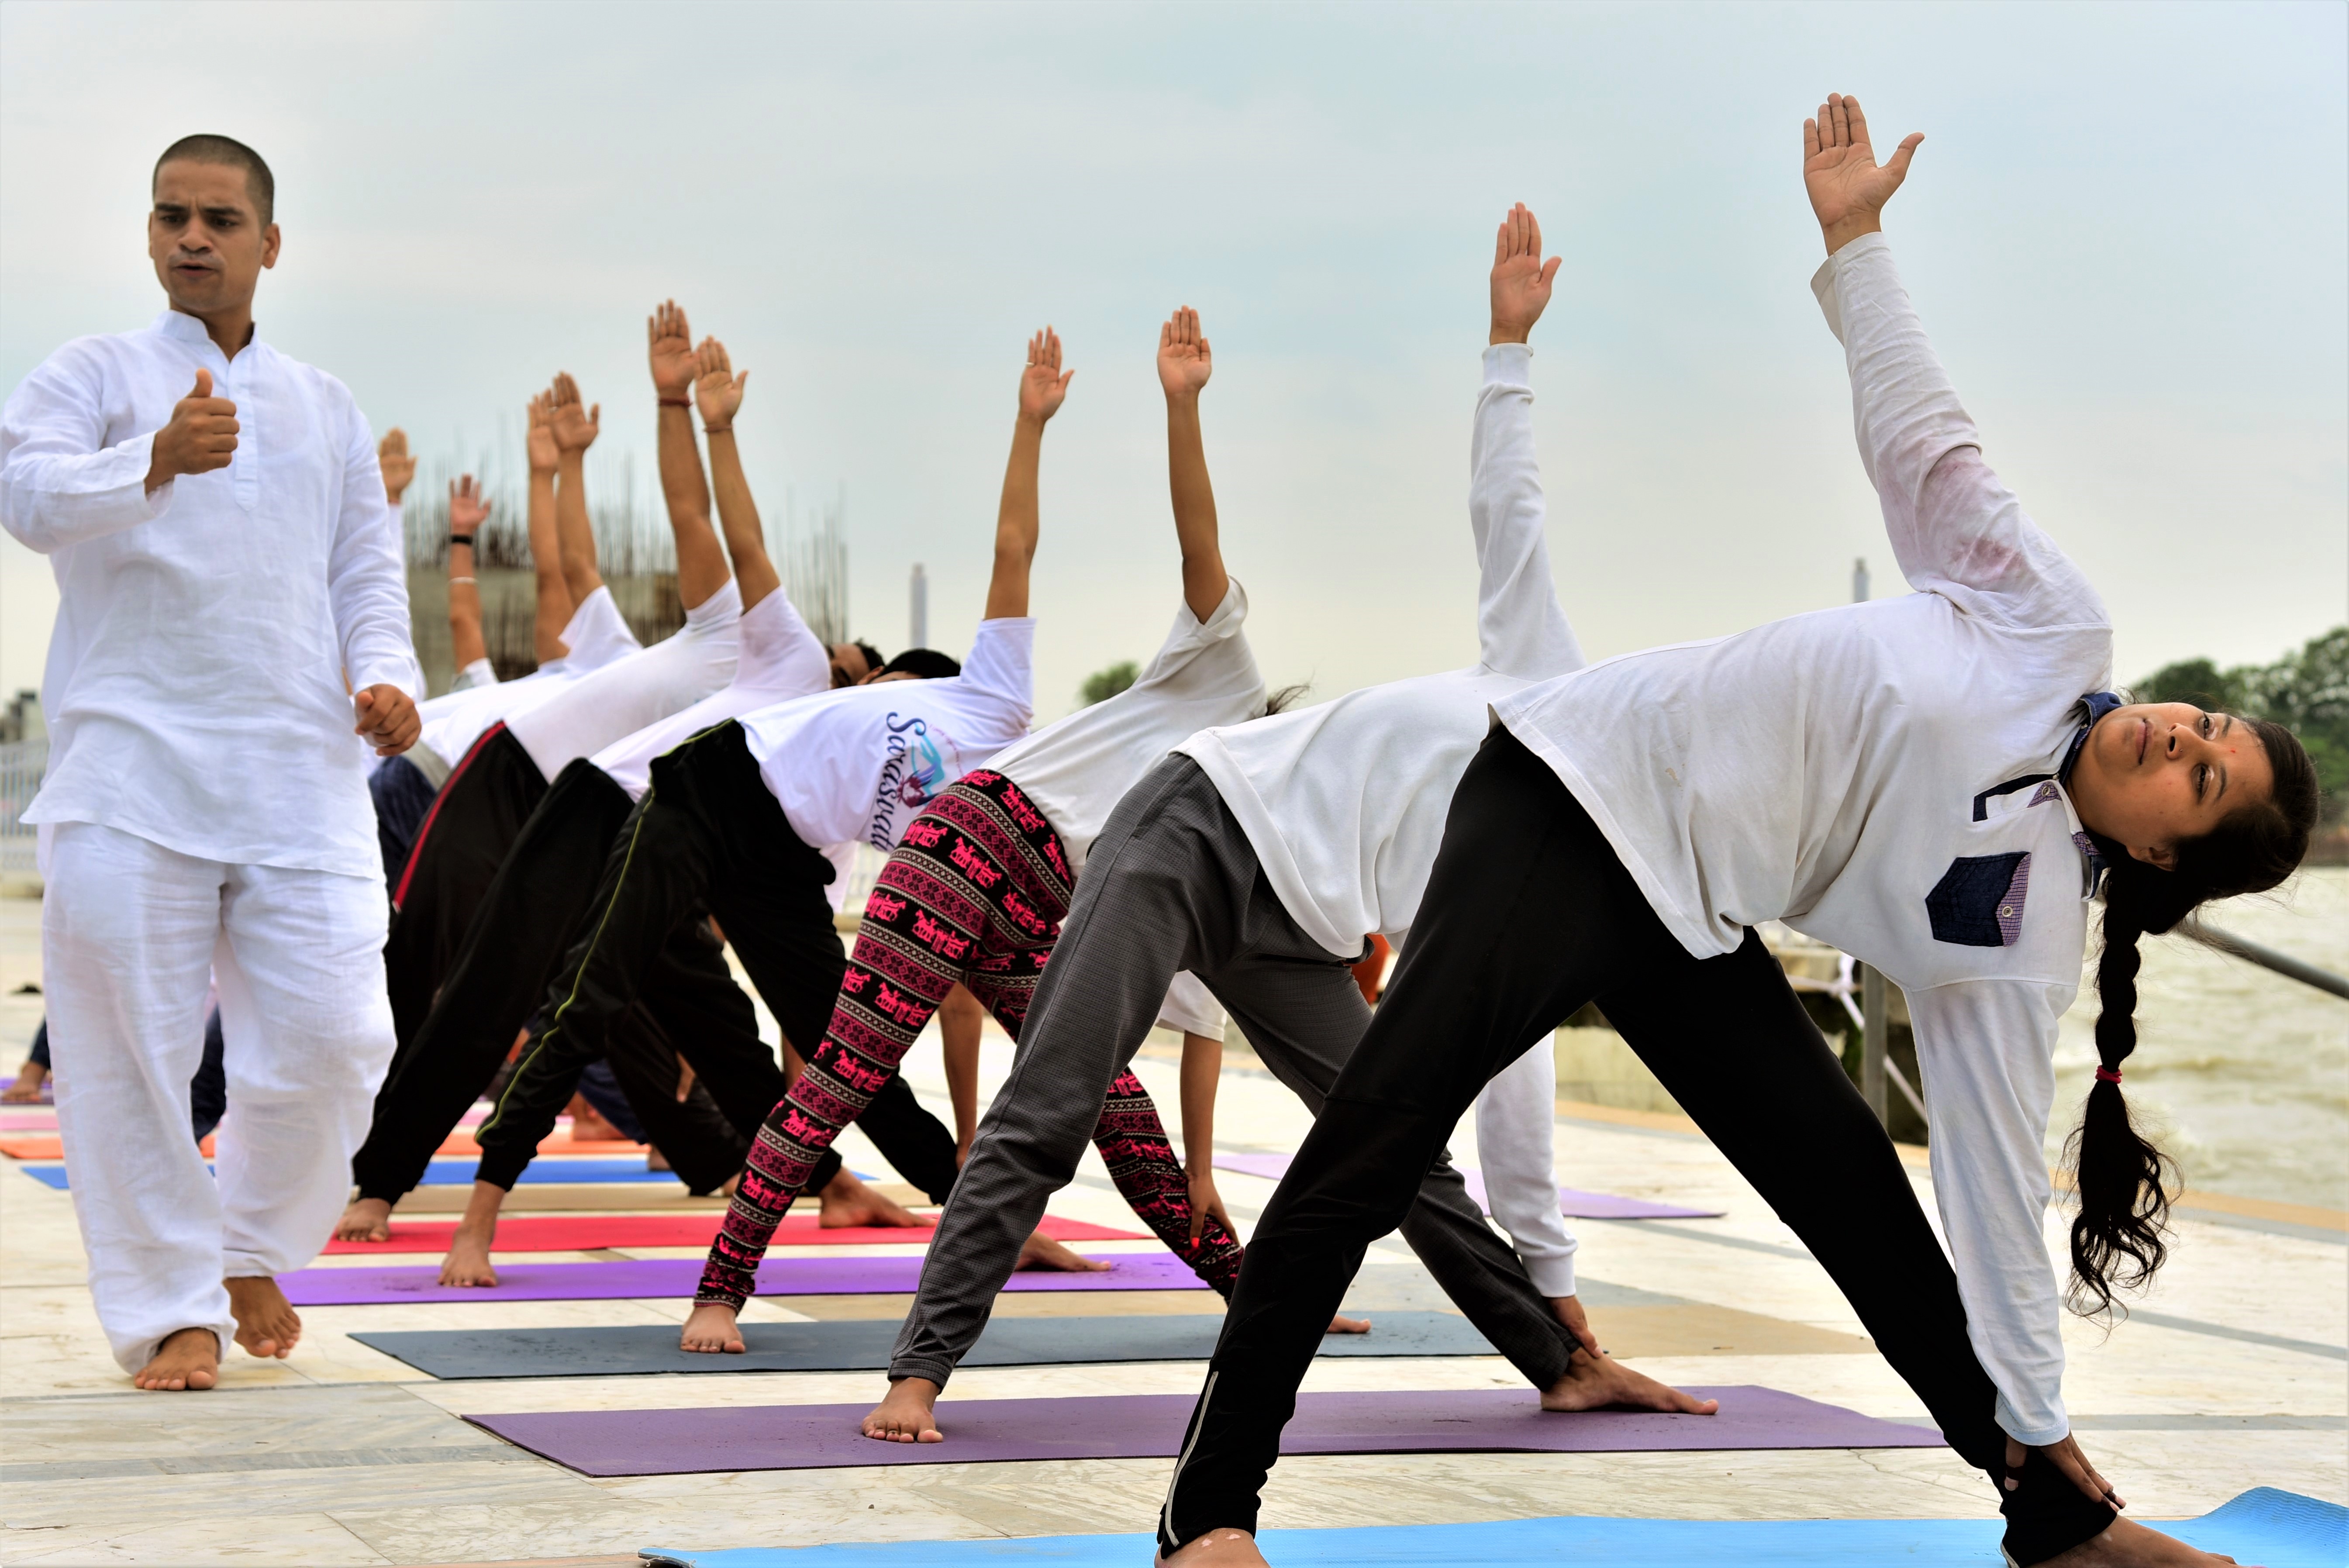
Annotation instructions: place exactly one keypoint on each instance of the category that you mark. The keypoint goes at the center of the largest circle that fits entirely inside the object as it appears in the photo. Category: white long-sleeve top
(1344, 802)
(1516, 1147)
(637, 690)
(194, 685)
(596, 635)
(1880, 777)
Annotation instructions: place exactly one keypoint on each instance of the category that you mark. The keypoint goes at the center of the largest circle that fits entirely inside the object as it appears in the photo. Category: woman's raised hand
(1185, 361)
(1521, 279)
(1043, 384)
(1847, 190)
(717, 387)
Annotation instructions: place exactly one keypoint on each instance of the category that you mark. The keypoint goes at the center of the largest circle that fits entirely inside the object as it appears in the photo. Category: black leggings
(1528, 914)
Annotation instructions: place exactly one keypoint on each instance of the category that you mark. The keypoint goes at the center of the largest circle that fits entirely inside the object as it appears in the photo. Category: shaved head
(259, 182)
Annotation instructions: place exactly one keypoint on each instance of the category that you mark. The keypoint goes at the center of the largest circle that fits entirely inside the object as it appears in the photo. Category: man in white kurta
(231, 599)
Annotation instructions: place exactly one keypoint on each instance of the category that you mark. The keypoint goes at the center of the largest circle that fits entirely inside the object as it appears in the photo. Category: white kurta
(194, 690)
(206, 810)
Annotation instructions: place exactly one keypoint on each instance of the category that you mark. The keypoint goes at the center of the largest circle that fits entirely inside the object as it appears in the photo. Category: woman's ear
(2164, 856)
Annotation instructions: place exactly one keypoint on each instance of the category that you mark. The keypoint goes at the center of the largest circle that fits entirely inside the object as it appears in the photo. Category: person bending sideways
(1257, 856)
(973, 894)
(231, 599)
(750, 818)
(528, 916)
(499, 780)
(1939, 785)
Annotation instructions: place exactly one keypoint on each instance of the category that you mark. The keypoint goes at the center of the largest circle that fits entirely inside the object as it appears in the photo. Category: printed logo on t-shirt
(916, 770)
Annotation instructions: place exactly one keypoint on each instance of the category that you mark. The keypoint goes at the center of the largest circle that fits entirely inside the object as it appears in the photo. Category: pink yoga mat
(1150, 1426)
(583, 1232)
(1572, 1202)
(677, 1277)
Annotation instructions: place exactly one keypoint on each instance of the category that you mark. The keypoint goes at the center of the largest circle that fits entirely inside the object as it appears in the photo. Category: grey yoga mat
(863, 1344)
(1150, 1426)
(640, 1277)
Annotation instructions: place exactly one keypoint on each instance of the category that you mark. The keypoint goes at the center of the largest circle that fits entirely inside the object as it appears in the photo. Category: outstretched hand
(717, 390)
(540, 442)
(2066, 1457)
(1043, 384)
(1184, 360)
(397, 466)
(468, 506)
(575, 426)
(1846, 188)
(670, 345)
(1521, 279)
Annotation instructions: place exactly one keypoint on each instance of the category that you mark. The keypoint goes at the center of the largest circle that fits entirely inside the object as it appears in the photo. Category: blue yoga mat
(460, 1172)
(2277, 1529)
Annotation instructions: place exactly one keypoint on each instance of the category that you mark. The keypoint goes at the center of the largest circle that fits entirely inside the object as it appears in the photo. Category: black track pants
(473, 821)
(1528, 914)
(708, 833)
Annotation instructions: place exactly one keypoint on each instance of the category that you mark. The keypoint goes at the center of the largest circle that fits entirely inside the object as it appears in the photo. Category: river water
(2242, 1075)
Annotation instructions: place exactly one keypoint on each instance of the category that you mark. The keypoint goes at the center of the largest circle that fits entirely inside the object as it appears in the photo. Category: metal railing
(22, 763)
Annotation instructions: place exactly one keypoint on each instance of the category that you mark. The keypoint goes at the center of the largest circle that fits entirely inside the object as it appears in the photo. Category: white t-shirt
(1078, 769)
(479, 673)
(641, 689)
(1191, 1008)
(781, 659)
(854, 766)
(1878, 776)
(595, 637)
(1344, 802)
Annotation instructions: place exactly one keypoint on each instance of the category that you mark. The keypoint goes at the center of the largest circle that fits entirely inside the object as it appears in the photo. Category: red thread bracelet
(676, 402)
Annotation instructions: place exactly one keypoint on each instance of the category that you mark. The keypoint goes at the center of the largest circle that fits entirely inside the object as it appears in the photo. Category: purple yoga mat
(1572, 1202)
(679, 1276)
(1150, 1426)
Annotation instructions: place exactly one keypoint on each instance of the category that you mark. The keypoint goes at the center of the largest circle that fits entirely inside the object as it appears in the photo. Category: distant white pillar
(917, 630)
(1858, 580)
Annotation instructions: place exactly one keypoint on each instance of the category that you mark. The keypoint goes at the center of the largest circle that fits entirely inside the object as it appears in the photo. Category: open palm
(1847, 190)
(669, 347)
(1043, 384)
(1184, 360)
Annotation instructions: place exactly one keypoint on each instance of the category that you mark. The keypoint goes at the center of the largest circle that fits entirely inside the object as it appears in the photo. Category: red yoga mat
(587, 1232)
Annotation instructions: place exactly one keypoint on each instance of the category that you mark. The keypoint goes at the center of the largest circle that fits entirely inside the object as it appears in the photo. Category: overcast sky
(2127, 232)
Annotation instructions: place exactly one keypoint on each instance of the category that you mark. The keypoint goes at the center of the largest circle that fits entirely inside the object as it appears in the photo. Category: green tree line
(2307, 692)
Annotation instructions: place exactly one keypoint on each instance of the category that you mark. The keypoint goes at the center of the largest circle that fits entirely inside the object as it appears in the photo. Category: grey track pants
(1173, 884)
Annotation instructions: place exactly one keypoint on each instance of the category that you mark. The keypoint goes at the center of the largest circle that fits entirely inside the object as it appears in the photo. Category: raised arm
(701, 564)
(718, 390)
(554, 605)
(1185, 363)
(575, 427)
(1042, 386)
(1955, 528)
(1520, 630)
(467, 511)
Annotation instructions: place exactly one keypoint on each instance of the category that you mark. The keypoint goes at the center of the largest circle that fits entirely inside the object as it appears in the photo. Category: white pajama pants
(132, 935)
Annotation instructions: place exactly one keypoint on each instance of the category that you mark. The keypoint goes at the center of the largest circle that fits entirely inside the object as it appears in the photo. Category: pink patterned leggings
(973, 894)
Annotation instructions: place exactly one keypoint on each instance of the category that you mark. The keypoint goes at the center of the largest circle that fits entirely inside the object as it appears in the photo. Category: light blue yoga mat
(2276, 1529)
(460, 1172)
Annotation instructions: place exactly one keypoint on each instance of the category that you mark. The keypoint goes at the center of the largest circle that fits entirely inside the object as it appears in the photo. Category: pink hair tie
(2109, 1075)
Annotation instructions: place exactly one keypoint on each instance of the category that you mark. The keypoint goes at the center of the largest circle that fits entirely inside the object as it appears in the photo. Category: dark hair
(259, 182)
(2116, 1240)
(873, 659)
(1281, 700)
(926, 662)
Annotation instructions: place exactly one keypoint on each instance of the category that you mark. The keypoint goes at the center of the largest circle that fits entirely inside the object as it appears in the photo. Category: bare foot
(266, 1324)
(1593, 1382)
(1217, 1549)
(189, 1358)
(366, 1220)
(1341, 1324)
(656, 1161)
(908, 1415)
(2128, 1544)
(710, 1329)
(468, 1261)
(589, 1125)
(848, 1202)
(1042, 1251)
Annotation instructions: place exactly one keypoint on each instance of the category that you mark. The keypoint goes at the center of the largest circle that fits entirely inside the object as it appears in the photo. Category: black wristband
(464, 539)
